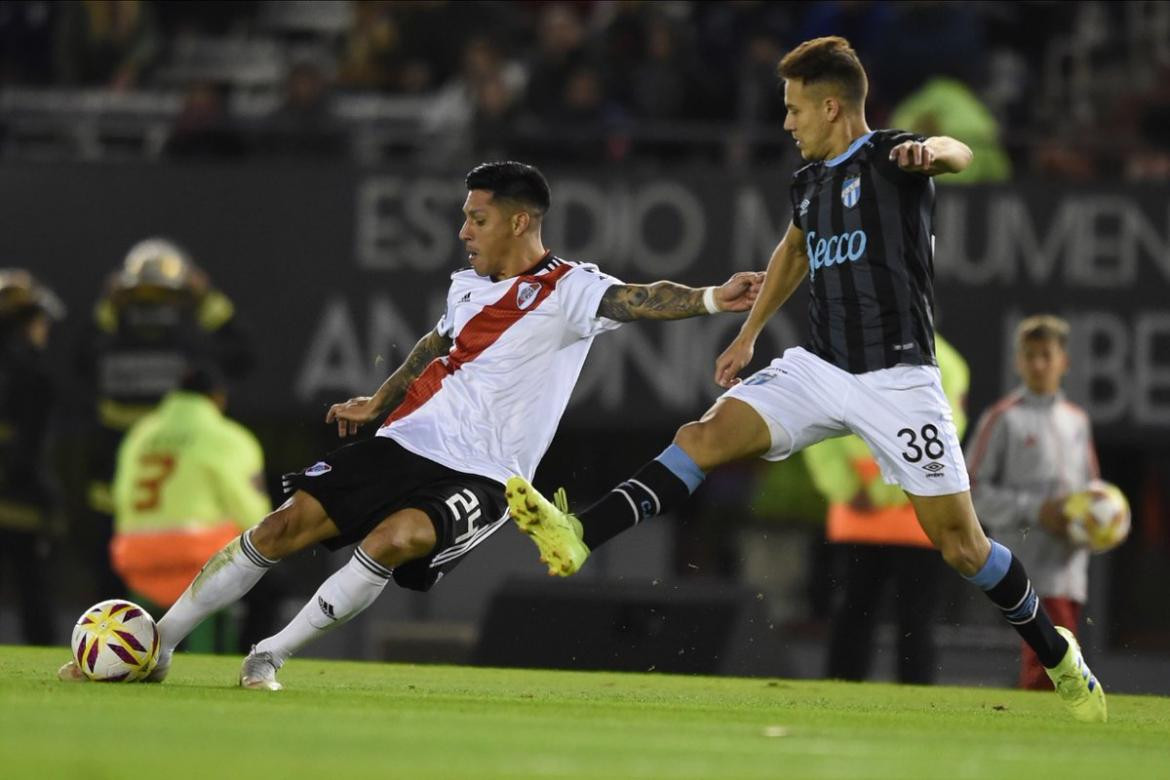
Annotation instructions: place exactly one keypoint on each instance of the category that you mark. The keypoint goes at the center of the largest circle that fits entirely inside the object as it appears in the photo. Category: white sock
(226, 577)
(351, 589)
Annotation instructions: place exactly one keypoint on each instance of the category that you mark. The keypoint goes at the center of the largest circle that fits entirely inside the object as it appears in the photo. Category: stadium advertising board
(339, 271)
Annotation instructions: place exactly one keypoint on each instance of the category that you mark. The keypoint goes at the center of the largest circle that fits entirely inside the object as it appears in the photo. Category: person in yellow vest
(158, 317)
(187, 481)
(875, 527)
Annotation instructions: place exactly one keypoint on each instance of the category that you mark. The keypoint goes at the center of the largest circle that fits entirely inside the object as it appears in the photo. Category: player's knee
(960, 554)
(699, 441)
(400, 539)
(287, 530)
(270, 537)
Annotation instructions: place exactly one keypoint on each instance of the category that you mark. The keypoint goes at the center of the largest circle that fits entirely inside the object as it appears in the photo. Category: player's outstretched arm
(937, 154)
(786, 270)
(671, 301)
(352, 414)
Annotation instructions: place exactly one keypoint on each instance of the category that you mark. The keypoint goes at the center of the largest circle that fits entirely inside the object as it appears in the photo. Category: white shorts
(900, 412)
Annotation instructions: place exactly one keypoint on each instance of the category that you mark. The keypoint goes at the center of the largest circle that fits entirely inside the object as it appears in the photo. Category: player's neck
(525, 258)
(844, 133)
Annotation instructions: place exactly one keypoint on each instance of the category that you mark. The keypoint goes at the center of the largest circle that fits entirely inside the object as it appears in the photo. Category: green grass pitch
(336, 721)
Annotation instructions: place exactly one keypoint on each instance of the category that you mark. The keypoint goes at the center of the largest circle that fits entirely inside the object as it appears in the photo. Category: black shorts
(363, 483)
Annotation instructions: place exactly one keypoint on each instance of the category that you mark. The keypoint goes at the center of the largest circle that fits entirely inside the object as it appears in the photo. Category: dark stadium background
(310, 156)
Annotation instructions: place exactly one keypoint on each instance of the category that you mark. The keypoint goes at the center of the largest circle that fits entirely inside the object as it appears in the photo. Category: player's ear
(520, 222)
(832, 108)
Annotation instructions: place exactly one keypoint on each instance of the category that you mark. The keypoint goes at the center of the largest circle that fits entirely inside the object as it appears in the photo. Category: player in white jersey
(476, 400)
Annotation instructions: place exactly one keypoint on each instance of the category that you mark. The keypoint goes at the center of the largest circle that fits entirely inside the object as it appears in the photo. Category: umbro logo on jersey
(527, 294)
(318, 468)
(934, 469)
(804, 207)
(851, 191)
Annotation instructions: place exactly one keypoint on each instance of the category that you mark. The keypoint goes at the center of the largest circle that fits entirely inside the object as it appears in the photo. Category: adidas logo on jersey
(466, 297)
(326, 607)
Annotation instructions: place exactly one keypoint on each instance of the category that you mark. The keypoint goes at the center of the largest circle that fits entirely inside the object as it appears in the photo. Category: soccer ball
(1098, 516)
(115, 641)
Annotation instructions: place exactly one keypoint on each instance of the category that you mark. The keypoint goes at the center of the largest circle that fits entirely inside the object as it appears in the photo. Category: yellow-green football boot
(1077, 687)
(556, 532)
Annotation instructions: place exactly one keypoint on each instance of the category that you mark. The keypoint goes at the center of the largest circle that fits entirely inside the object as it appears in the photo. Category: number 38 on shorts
(901, 413)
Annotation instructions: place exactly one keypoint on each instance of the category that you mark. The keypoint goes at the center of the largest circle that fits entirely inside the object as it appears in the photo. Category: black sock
(661, 485)
(1007, 585)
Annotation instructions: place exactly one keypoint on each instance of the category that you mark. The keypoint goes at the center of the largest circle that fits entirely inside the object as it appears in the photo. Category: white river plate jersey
(492, 404)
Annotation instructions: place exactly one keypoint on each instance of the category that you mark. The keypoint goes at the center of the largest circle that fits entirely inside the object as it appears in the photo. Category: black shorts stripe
(370, 480)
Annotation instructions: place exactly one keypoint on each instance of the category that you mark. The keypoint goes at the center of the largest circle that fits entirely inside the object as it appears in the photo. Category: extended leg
(298, 523)
(729, 431)
(951, 524)
(403, 536)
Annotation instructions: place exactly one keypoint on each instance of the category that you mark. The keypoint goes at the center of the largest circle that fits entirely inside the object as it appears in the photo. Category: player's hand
(913, 156)
(352, 414)
(1052, 516)
(731, 362)
(740, 291)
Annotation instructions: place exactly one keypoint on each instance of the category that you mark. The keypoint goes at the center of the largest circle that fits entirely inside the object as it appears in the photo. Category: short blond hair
(1042, 327)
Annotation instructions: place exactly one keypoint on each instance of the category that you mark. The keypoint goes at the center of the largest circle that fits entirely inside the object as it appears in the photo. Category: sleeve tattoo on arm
(427, 349)
(658, 301)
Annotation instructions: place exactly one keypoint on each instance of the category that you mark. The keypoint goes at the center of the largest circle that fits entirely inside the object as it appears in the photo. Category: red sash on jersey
(480, 332)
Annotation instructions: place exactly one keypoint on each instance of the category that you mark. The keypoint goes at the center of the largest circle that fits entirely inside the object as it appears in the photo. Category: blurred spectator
(1032, 450)
(157, 316)
(726, 41)
(928, 37)
(304, 124)
(1149, 158)
(106, 43)
(872, 28)
(188, 481)
(475, 110)
(559, 56)
(414, 47)
(26, 41)
(947, 106)
(203, 129)
(27, 310)
(664, 83)
(372, 47)
(178, 18)
(759, 94)
(496, 113)
(659, 63)
(588, 122)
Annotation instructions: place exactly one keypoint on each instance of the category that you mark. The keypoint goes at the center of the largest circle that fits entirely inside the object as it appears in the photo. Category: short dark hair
(1042, 327)
(827, 60)
(514, 181)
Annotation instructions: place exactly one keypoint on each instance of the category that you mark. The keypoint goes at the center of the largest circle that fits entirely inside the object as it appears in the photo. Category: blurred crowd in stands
(1071, 91)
